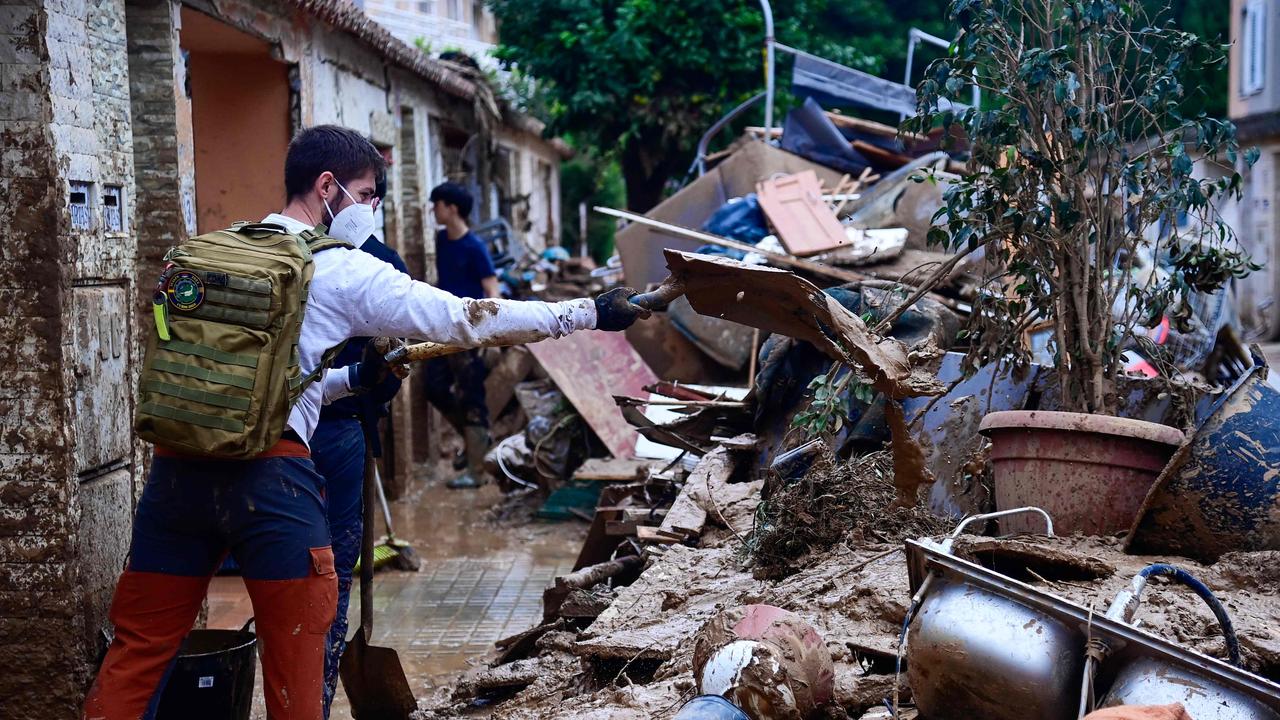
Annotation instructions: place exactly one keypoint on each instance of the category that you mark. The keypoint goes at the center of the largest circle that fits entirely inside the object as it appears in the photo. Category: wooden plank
(644, 533)
(612, 469)
(881, 157)
(871, 127)
(804, 223)
(589, 366)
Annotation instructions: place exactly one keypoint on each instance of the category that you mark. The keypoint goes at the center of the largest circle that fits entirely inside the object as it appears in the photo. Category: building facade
(1254, 105)
(440, 25)
(129, 125)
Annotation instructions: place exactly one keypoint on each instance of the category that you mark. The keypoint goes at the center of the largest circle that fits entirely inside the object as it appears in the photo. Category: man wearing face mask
(268, 510)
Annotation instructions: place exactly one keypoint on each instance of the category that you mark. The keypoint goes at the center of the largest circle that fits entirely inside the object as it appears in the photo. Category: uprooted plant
(1089, 188)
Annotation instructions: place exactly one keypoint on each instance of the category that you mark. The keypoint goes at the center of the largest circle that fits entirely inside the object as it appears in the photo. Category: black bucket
(212, 678)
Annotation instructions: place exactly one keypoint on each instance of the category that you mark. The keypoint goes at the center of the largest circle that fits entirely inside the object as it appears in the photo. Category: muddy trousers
(269, 514)
(338, 452)
(455, 386)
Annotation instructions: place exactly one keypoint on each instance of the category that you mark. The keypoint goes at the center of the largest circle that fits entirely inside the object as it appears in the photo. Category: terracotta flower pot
(1089, 472)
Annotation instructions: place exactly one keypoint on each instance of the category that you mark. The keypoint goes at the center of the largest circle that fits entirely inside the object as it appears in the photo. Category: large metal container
(1148, 681)
(975, 654)
(1220, 491)
(969, 657)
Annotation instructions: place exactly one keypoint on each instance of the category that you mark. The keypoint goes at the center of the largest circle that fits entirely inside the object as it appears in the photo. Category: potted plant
(1084, 158)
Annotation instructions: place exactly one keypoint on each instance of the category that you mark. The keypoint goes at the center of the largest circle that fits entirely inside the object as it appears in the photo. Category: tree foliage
(1079, 165)
(644, 79)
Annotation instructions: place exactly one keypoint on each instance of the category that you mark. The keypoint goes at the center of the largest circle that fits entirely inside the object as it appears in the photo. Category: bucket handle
(247, 624)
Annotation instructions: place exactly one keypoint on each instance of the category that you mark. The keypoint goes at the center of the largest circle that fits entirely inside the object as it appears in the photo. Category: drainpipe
(767, 9)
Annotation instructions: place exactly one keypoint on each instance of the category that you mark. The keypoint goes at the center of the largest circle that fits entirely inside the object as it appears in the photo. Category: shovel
(372, 676)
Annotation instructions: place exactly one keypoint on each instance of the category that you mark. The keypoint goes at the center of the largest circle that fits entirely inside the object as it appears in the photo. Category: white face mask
(354, 223)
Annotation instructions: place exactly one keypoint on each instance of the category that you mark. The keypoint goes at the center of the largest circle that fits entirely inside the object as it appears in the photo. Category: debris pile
(775, 472)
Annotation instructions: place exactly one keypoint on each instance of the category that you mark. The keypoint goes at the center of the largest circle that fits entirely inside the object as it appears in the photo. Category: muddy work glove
(372, 368)
(615, 311)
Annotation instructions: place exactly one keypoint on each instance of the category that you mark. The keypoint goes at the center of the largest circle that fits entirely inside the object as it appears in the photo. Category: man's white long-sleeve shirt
(354, 294)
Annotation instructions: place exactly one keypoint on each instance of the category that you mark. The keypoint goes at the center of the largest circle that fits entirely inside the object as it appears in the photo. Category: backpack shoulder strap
(318, 240)
(244, 226)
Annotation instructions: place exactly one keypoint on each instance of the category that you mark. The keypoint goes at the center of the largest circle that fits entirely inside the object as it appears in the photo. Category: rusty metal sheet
(805, 224)
(590, 367)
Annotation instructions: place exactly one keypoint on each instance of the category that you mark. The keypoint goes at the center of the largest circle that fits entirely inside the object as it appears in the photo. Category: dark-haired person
(464, 268)
(337, 449)
(268, 511)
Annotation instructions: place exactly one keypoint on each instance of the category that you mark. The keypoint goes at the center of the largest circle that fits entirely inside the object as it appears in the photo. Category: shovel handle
(366, 541)
(420, 351)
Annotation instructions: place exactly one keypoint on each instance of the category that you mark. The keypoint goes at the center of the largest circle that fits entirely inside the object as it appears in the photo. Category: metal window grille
(1253, 48)
(81, 210)
(113, 208)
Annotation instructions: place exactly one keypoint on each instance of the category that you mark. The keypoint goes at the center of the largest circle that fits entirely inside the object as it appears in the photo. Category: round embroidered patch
(185, 290)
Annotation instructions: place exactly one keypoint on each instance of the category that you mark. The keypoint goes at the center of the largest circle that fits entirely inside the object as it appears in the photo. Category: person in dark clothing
(455, 383)
(338, 449)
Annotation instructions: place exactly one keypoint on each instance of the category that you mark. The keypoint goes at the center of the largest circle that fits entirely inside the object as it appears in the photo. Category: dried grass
(835, 502)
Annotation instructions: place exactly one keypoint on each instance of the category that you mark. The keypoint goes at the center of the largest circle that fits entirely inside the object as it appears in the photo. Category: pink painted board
(590, 367)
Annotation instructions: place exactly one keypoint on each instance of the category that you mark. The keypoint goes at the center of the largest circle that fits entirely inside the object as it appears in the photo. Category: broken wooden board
(686, 517)
(646, 533)
(612, 469)
(780, 302)
(804, 223)
(589, 367)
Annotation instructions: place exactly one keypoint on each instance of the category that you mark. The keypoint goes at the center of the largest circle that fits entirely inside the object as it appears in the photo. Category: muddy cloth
(455, 386)
(339, 458)
(788, 365)
(269, 513)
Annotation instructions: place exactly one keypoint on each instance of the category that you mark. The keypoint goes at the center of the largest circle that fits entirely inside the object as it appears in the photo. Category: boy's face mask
(354, 223)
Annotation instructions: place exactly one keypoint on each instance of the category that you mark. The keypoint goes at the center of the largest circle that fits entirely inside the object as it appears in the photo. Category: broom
(390, 550)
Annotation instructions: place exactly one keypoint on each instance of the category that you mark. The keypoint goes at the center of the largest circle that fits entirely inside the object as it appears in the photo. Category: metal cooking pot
(1149, 681)
(974, 654)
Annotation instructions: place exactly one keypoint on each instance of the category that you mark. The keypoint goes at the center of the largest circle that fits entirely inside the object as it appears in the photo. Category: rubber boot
(476, 438)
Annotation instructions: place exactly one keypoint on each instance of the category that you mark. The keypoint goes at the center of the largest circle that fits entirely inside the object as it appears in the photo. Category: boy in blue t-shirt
(465, 269)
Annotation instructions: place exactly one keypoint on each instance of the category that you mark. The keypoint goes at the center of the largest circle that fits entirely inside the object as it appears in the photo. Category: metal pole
(767, 9)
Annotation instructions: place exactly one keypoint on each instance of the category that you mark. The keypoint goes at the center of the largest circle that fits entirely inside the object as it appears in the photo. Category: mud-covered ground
(635, 659)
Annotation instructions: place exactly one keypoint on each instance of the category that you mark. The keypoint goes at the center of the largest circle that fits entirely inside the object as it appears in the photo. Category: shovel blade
(375, 682)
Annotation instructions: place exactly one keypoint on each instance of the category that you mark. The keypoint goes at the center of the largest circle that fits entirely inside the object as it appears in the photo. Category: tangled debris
(835, 502)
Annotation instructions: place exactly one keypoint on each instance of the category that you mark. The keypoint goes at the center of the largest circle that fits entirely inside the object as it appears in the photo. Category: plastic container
(212, 678)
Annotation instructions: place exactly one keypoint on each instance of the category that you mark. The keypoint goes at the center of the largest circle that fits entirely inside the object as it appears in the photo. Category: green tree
(1089, 146)
(643, 80)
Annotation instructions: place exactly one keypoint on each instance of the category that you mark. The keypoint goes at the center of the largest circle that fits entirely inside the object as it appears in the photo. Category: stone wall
(67, 460)
(96, 183)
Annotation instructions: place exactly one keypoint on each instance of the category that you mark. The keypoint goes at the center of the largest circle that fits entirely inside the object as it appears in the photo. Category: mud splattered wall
(97, 181)
(67, 462)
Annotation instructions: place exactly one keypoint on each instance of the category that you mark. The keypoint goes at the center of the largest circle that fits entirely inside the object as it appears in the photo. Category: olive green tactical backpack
(221, 370)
